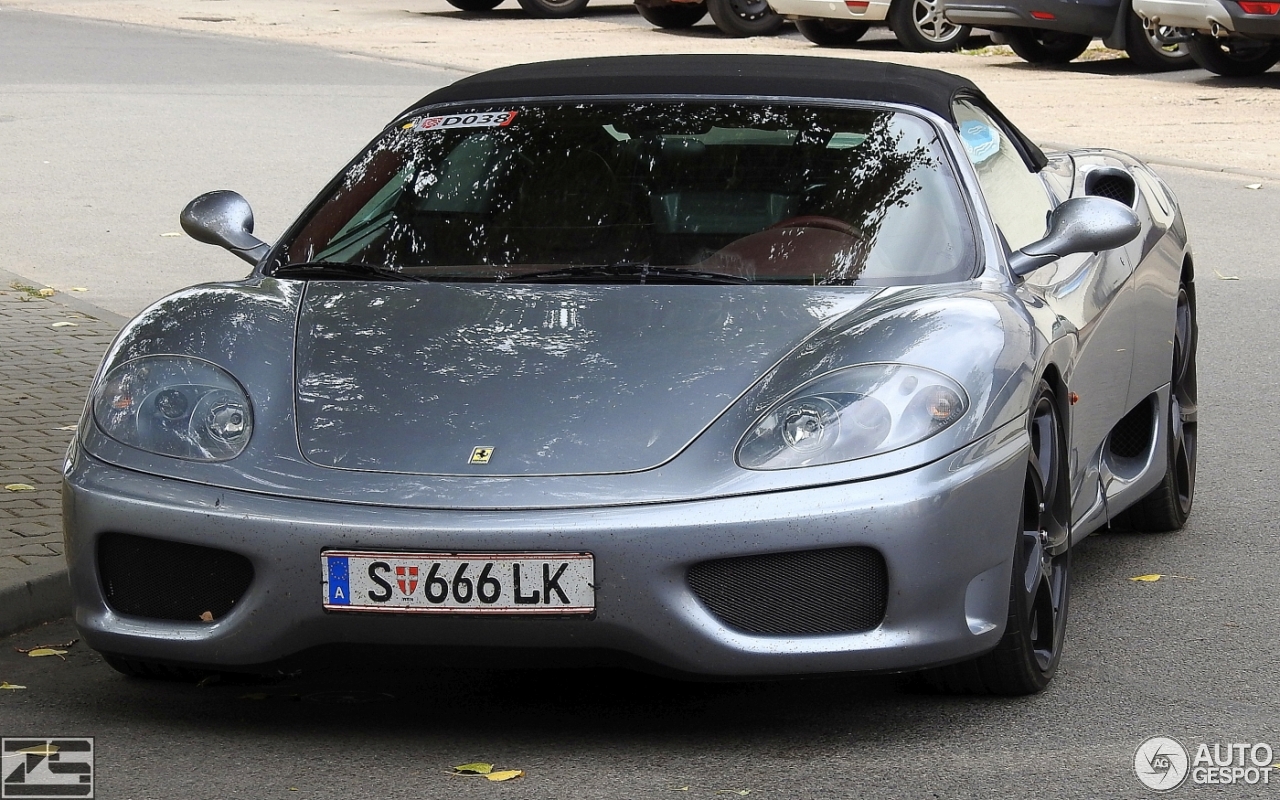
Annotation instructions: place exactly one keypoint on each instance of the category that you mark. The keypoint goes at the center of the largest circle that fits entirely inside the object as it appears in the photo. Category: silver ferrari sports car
(736, 366)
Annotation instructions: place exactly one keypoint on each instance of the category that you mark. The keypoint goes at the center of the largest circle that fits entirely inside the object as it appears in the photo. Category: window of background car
(1017, 197)
(775, 194)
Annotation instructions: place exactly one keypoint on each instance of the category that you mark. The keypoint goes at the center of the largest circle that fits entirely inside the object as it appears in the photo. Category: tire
(921, 28)
(553, 9)
(674, 16)
(1148, 54)
(832, 32)
(475, 5)
(1233, 58)
(1039, 46)
(1027, 657)
(743, 18)
(1167, 506)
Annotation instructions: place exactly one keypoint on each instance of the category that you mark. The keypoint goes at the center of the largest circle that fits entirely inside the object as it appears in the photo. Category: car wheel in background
(475, 5)
(1167, 506)
(832, 32)
(1040, 46)
(673, 15)
(1234, 57)
(742, 18)
(1149, 53)
(553, 9)
(1027, 656)
(920, 27)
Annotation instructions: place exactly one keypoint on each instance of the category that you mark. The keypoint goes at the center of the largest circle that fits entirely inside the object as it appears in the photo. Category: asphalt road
(1194, 657)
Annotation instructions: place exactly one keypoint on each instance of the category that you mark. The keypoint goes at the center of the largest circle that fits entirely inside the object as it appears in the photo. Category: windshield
(758, 193)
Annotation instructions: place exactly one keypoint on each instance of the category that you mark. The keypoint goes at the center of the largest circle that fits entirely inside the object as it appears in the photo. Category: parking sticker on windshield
(489, 119)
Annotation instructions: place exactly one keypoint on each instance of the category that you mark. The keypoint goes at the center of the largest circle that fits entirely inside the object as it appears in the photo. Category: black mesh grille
(1131, 436)
(842, 590)
(169, 580)
(1115, 187)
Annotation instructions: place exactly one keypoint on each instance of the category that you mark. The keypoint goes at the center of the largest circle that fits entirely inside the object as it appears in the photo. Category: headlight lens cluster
(853, 413)
(175, 406)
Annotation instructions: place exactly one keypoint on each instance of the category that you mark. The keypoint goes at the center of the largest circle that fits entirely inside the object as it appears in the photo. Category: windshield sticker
(490, 119)
(980, 140)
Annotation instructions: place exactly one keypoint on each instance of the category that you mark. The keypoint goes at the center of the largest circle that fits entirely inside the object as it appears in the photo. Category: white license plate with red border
(459, 583)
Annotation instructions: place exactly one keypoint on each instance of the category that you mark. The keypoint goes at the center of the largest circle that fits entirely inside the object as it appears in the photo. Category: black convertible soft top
(726, 76)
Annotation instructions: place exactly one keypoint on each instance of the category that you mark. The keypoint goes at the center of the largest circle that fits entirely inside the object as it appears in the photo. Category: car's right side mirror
(1079, 225)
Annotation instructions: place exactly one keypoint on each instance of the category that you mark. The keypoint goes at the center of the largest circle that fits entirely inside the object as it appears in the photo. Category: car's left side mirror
(1079, 225)
(224, 218)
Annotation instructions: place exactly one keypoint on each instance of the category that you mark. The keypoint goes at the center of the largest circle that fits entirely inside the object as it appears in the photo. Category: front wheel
(673, 16)
(475, 5)
(1027, 656)
(1234, 57)
(921, 27)
(832, 32)
(553, 9)
(743, 18)
(1149, 52)
(1039, 46)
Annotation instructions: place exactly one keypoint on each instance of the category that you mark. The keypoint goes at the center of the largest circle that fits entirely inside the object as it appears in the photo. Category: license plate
(459, 583)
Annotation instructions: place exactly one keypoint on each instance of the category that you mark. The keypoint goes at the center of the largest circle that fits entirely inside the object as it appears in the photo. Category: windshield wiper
(641, 273)
(319, 270)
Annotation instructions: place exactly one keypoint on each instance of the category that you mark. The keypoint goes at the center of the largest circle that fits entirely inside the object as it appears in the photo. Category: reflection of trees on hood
(878, 177)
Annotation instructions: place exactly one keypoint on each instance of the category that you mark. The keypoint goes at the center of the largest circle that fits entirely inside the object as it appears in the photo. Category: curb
(41, 592)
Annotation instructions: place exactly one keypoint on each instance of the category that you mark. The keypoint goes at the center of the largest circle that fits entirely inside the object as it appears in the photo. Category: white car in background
(918, 24)
(1229, 37)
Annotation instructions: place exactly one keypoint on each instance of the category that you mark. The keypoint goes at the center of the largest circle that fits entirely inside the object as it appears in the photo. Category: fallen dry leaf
(79, 289)
(19, 487)
(1222, 277)
(209, 680)
(40, 652)
(67, 427)
(742, 792)
(7, 685)
(59, 646)
(505, 775)
(1153, 577)
(63, 325)
(474, 768)
(170, 234)
(206, 616)
(1253, 186)
(46, 292)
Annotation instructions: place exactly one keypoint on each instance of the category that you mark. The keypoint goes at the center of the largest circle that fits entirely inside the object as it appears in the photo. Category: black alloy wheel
(832, 32)
(1027, 656)
(743, 18)
(1150, 50)
(1039, 46)
(673, 16)
(1234, 57)
(921, 27)
(553, 9)
(475, 5)
(1167, 507)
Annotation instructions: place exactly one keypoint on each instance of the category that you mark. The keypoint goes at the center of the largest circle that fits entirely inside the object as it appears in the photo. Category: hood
(456, 379)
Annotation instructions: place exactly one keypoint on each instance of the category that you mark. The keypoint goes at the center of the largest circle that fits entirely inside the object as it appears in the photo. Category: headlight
(175, 406)
(852, 413)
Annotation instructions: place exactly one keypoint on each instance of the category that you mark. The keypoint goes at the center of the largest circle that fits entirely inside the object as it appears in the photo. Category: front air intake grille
(1116, 187)
(810, 592)
(160, 579)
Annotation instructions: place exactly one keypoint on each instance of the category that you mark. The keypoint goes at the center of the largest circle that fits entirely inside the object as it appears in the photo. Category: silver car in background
(737, 366)
(1234, 38)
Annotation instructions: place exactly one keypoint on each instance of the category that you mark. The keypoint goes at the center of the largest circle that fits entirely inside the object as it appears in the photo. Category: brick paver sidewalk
(48, 354)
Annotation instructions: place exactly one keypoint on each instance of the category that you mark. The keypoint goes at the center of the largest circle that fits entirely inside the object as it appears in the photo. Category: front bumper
(946, 530)
(1096, 17)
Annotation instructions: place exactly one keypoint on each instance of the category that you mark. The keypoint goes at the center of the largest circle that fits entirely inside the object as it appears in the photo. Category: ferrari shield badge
(480, 455)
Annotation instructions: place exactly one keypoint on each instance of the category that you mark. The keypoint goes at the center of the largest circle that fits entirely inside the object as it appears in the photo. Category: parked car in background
(543, 9)
(1228, 37)
(918, 24)
(1057, 31)
(738, 18)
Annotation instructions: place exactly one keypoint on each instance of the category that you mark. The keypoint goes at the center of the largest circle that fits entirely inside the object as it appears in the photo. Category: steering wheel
(816, 221)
